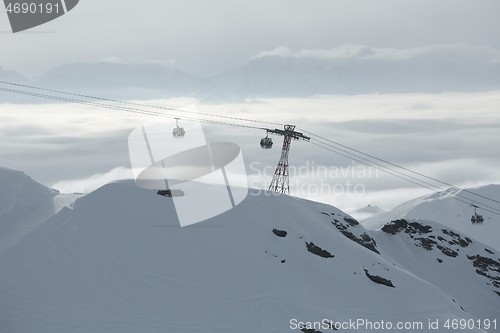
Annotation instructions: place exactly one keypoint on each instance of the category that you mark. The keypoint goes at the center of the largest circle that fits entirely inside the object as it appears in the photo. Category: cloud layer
(454, 137)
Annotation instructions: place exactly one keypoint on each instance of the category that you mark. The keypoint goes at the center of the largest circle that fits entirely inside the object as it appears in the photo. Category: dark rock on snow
(379, 279)
(280, 233)
(318, 251)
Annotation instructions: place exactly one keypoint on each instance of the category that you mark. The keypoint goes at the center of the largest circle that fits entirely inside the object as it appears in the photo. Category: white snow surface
(118, 261)
(25, 204)
(450, 212)
(448, 262)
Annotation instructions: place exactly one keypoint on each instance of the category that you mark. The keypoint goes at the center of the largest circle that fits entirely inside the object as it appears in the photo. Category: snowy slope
(24, 205)
(450, 212)
(119, 262)
(462, 267)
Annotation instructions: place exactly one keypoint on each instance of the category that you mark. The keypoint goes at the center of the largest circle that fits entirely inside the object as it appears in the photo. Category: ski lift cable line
(127, 109)
(442, 193)
(401, 167)
(209, 121)
(368, 161)
(139, 104)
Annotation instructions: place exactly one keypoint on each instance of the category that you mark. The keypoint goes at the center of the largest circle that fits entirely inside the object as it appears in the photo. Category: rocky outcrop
(280, 233)
(311, 247)
(352, 230)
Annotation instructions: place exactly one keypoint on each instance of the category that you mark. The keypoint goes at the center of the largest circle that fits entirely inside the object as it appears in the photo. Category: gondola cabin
(178, 132)
(476, 218)
(266, 143)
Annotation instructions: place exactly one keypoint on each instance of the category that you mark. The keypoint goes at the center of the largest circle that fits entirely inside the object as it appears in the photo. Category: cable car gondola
(178, 132)
(476, 218)
(266, 143)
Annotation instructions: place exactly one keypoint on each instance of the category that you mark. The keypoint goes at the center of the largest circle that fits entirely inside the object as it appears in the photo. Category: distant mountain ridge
(274, 76)
(366, 71)
(105, 79)
(141, 81)
(14, 77)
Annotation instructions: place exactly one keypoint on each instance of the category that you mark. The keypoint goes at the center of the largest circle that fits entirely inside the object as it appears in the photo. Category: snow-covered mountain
(276, 76)
(447, 259)
(366, 212)
(118, 261)
(450, 212)
(24, 205)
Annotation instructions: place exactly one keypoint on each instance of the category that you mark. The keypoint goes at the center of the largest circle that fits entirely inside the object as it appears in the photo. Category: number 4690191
(32, 8)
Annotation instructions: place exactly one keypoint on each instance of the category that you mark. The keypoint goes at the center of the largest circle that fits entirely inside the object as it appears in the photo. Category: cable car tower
(280, 182)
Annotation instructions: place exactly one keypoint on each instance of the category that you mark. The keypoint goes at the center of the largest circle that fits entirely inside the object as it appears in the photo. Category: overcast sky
(206, 37)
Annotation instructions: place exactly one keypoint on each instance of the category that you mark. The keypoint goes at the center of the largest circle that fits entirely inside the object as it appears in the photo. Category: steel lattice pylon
(280, 182)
